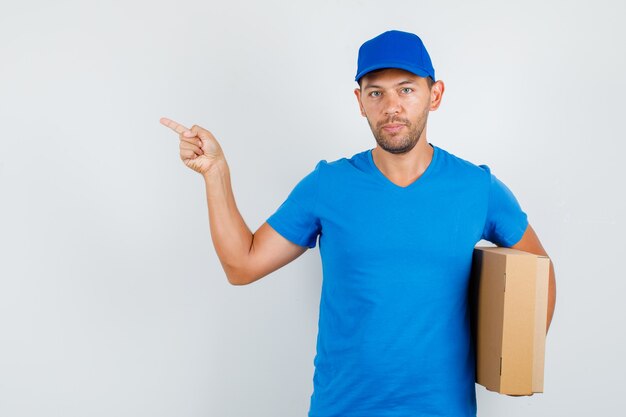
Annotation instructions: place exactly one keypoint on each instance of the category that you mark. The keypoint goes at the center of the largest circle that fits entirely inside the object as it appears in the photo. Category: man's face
(396, 104)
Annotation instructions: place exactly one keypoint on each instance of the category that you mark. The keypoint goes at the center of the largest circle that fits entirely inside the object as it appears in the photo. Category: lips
(393, 127)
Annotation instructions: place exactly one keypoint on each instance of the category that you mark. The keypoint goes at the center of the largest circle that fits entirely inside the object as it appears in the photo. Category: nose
(391, 105)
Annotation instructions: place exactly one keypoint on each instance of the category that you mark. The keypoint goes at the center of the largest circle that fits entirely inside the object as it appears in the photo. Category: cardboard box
(509, 308)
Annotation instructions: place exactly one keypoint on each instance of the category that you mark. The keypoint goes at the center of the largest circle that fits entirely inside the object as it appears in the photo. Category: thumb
(201, 132)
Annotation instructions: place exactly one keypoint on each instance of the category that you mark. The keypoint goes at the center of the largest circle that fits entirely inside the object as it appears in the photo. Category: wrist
(218, 168)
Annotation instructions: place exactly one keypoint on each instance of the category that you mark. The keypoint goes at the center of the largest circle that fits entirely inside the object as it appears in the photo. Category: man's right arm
(245, 257)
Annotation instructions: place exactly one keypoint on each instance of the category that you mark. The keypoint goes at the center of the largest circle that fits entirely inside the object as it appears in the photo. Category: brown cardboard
(509, 307)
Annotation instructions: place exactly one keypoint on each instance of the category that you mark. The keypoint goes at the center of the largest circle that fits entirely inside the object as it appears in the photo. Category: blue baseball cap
(395, 49)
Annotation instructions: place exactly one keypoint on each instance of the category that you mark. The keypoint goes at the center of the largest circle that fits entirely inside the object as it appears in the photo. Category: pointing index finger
(176, 127)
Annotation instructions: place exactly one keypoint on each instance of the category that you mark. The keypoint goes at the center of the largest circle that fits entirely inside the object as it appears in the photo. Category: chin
(396, 149)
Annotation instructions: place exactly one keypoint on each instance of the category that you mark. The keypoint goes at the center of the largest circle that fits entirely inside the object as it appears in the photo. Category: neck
(403, 169)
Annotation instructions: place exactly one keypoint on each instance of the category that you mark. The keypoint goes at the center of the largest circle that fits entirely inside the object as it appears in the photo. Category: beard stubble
(399, 143)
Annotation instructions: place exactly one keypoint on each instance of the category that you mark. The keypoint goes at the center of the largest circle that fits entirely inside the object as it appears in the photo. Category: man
(397, 225)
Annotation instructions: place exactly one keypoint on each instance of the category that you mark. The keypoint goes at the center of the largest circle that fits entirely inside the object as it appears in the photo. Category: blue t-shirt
(394, 332)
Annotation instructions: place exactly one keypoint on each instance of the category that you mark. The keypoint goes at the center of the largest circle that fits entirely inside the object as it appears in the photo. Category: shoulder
(343, 164)
(463, 168)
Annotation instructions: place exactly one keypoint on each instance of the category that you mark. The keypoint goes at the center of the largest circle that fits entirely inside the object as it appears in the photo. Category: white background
(112, 299)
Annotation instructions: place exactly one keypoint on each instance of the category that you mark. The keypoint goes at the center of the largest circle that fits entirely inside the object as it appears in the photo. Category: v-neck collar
(415, 183)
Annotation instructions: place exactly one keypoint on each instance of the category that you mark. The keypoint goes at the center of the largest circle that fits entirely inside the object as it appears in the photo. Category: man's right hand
(199, 149)
(245, 257)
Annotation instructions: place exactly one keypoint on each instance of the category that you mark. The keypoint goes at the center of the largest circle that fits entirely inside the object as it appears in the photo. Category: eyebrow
(400, 83)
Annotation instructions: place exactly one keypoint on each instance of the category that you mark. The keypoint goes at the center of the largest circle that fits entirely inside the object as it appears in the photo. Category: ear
(436, 94)
(357, 93)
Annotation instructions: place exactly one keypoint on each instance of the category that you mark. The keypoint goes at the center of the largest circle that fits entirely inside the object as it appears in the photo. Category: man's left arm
(530, 243)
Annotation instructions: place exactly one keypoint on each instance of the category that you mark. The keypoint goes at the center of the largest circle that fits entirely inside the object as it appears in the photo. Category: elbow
(243, 278)
(243, 274)
(236, 276)
(237, 282)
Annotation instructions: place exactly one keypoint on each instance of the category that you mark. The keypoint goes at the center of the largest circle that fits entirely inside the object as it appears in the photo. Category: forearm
(231, 236)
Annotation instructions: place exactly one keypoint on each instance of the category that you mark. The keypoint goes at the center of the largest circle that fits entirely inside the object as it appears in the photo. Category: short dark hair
(429, 80)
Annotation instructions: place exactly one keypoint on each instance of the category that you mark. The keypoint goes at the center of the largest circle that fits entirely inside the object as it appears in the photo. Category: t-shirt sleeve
(296, 219)
(506, 222)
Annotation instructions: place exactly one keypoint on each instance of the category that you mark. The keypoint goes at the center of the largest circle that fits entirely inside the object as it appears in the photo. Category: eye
(375, 94)
(407, 90)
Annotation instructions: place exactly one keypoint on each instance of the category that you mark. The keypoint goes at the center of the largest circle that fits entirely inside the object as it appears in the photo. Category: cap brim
(412, 69)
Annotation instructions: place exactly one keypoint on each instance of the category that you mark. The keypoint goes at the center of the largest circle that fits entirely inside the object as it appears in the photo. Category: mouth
(393, 127)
